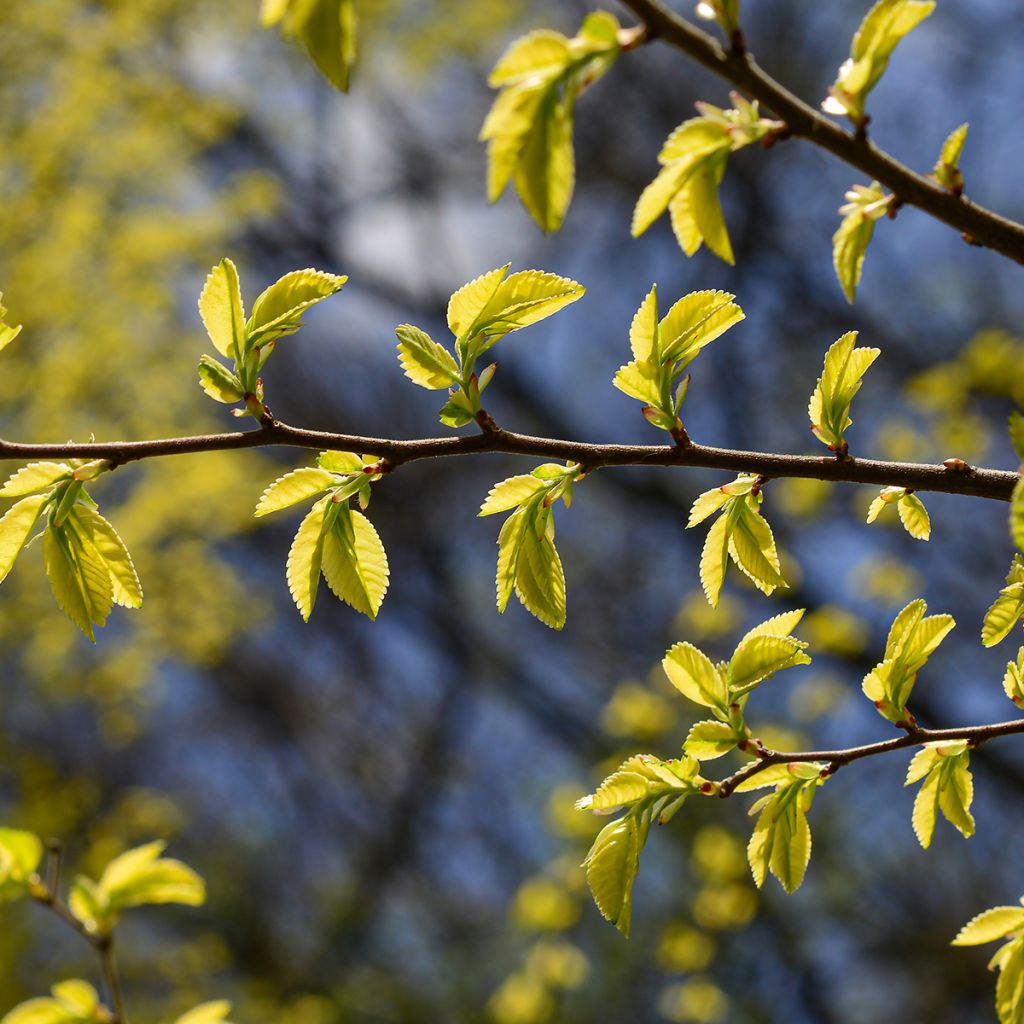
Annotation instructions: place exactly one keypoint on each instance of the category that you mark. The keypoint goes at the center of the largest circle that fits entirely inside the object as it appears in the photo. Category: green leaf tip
(326, 30)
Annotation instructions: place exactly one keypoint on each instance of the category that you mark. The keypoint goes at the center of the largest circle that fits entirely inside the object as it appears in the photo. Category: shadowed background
(383, 811)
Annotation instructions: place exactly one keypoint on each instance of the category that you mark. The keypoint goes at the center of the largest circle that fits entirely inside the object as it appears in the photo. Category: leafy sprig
(864, 205)
(664, 348)
(693, 161)
(529, 128)
(276, 313)
(528, 561)
(948, 786)
(334, 539)
(480, 314)
(741, 533)
(882, 29)
(1008, 608)
(840, 380)
(913, 638)
(913, 515)
(87, 563)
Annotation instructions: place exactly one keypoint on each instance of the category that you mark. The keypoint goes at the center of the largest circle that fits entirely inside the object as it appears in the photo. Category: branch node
(486, 422)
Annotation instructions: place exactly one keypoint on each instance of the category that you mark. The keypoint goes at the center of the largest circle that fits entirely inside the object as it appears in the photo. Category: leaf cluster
(333, 539)
(693, 160)
(529, 128)
(913, 637)
(528, 561)
(480, 314)
(741, 533)
(664, 348)
(276, 314)
(87, 563)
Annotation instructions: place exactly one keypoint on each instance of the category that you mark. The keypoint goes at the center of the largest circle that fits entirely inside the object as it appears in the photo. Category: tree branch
(982, 483)
(48, 894)
(978, 225)
(836, 759)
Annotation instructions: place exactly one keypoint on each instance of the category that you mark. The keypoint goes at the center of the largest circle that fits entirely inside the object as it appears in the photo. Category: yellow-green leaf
(695, 676)
(220, 306)
(424, 361)
(278, 311)
(997, 923)
(713, 559)
(611, 867)
(36, 476)
(292, 488)
(15, 526)
(219, 382)
(206, 1013)
(540, 580)
(305, 557)
(708, 740)
(355, 563)
(510, 493)
(1004, 613)
(125, 587)
(914, 517)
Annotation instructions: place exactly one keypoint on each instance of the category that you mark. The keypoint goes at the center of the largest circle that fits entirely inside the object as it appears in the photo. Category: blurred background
(383, 811)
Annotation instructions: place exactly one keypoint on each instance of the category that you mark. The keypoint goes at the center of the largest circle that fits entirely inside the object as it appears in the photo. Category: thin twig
(836, 759)
(982, 483)
(979, 225)
(48, 895)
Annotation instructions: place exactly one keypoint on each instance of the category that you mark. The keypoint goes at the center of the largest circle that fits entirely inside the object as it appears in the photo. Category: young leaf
(947, 168)
(219, 382)
(1004, 613)
(278, 310)
(529, 127)
(36, 476)
(714, 558)
(354, 562)
(305, 557)
(124, 580)
(7, 333)
(708, 740)
(325, 28)
(424, 361)
(914, 516)
(68, 582)
(841, 379)
(509, 493)
(752, 548)
(15, 527)
(20, 855)
(997, 923)
(294, 487)
(881, 30)
(864, 205)
(540, 580)
(220, 306)
(611, 867)
(1013, 680)
(214, 1012)
(1017, 514)
(695, 676)
(947, 787)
